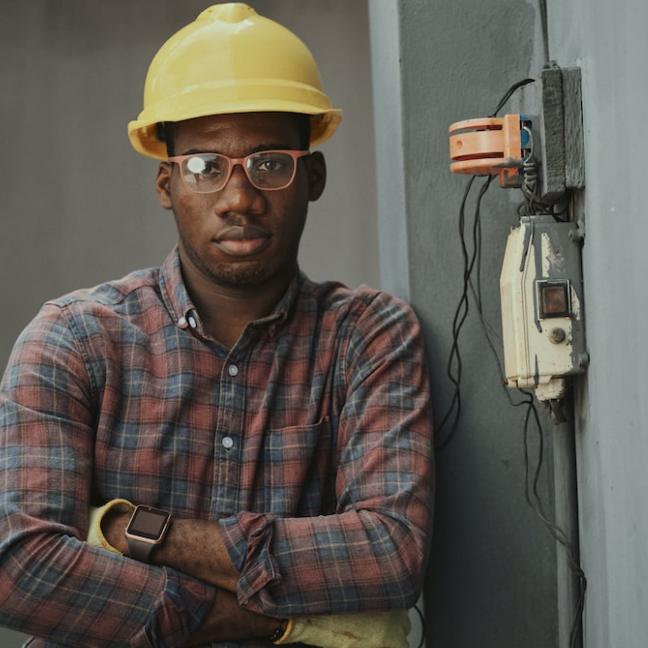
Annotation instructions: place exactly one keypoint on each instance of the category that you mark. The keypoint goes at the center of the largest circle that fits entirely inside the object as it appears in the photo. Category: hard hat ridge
(231, 60)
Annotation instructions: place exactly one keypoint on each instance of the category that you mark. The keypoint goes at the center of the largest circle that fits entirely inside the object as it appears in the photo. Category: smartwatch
(146, 530)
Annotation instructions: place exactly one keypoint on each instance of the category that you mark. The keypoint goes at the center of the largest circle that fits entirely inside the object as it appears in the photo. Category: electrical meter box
(542, 306)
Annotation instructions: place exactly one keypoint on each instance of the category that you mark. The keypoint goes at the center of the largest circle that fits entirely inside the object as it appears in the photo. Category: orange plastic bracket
(488, 146)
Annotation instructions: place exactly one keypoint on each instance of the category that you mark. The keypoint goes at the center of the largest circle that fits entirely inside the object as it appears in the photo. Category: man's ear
(316, 175)
(162, 184)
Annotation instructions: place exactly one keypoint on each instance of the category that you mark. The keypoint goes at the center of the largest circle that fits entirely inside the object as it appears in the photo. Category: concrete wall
(78, 205)
(492, 579)
(607, 40)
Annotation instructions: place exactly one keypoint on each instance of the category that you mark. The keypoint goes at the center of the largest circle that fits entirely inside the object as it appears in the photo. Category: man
(273, 433)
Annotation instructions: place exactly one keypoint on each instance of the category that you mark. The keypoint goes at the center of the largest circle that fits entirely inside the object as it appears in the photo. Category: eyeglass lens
(205, 173)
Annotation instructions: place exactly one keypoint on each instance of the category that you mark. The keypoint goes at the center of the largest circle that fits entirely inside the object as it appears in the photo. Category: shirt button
(192, 322)
(228, 442)
(182, 321)
(232, 370)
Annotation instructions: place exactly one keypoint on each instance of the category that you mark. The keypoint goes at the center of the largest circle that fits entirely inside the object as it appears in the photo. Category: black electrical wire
(535, 502)
(423, 628)
(470, 261)
(509, 93)
(531, 493)
(454, 366)
(542, 8)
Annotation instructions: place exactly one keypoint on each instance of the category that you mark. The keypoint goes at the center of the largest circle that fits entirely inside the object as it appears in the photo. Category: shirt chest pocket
(295, 474)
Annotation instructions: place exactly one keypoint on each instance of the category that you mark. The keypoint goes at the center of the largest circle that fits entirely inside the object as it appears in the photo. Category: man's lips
(243, 240)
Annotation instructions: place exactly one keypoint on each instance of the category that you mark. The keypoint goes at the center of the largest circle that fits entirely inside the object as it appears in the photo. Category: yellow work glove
(96, 514)
(362, 630)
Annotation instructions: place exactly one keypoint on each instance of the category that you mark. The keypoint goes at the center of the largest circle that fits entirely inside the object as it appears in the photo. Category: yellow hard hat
(231, 60)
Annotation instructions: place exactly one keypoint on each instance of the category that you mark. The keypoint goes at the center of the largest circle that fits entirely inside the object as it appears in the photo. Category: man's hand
(228, 621)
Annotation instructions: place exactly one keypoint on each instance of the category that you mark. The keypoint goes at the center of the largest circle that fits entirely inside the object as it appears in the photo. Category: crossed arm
(58, 448)
(197, 548)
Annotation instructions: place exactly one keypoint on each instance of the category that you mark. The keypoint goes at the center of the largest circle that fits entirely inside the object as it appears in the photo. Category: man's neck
(225, 311)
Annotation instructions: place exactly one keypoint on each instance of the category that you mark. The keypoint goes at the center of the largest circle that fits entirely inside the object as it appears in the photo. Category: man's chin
(238, 275)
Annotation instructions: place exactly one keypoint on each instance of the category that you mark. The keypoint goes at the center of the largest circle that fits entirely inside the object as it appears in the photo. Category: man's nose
(239, 194)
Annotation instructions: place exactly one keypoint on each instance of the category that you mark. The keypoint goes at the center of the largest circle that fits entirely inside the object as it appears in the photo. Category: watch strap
(140, 550)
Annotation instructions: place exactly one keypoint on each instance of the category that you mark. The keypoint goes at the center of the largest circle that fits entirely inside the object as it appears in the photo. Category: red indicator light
(554, 298)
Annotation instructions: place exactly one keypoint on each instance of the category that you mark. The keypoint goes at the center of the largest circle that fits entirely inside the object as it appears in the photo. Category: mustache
(243, 233)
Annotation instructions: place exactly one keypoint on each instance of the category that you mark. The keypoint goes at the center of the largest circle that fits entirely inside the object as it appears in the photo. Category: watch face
(148, 522)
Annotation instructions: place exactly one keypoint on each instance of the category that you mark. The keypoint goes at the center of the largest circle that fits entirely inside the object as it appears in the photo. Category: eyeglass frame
(233, 162)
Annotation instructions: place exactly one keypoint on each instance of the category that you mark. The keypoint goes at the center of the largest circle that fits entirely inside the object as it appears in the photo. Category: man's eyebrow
(256, 149)
(197, 152)
(272, 147)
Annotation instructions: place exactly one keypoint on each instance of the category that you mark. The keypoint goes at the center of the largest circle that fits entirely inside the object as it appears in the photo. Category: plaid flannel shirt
(309, 440)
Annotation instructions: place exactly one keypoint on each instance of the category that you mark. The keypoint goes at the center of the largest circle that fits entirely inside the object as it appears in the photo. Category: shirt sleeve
(52, 583)
(371, 554)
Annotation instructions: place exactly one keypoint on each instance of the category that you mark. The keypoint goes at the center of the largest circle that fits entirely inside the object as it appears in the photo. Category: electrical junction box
(491, 146)
(501, 145)
(542, 306)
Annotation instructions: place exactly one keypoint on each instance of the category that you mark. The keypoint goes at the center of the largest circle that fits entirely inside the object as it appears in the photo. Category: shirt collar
(182, 309)
(285, 305)
(174, 291)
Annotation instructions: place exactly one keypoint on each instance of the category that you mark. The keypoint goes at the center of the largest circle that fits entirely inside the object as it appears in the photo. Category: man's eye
(202, 166)
(270, 165)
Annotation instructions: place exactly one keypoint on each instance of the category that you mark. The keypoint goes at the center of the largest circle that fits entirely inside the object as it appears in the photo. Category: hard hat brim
(143, 133)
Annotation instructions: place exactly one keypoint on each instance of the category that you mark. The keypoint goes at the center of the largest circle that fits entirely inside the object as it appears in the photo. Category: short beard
(235, 277)
(228, 275)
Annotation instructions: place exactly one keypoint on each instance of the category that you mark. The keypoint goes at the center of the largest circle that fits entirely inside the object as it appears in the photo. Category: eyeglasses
(209, 172)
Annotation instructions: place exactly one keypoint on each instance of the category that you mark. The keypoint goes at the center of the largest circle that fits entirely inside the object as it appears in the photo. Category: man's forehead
(260, 124)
